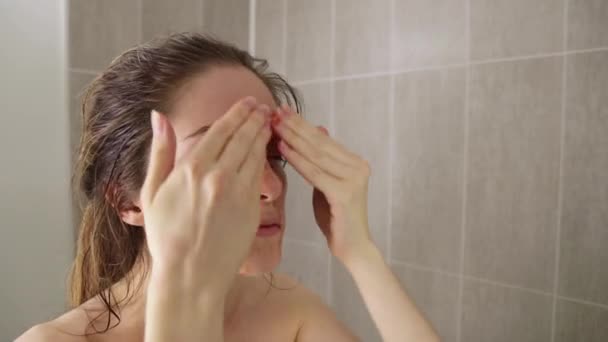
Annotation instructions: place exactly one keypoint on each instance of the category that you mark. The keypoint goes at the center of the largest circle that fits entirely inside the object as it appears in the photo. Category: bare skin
(261, 314)
(242, 308)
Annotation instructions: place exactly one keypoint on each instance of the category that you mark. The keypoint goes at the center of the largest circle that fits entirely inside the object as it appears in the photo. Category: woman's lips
(268, 230)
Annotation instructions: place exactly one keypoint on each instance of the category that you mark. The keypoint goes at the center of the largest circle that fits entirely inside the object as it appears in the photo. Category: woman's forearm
(177, 314)
(393, 312)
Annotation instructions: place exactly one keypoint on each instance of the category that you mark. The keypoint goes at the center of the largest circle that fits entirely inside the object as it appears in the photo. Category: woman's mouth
(268, 230)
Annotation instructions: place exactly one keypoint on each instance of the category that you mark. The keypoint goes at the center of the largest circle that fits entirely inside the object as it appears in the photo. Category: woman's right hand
(201, 214)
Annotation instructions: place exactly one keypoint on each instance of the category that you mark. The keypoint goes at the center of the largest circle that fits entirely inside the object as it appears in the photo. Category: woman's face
(205, 99)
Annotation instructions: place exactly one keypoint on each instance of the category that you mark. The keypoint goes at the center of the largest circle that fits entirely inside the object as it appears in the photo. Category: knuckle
(315, 172)
(216, 182)
(318, 155)
(192, 170)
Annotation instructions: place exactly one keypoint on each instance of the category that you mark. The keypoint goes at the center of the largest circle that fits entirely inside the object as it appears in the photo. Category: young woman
(181, 163)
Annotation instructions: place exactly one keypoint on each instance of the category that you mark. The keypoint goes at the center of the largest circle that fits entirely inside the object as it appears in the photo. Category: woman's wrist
(361, 256)
(175, 289)
(180, 311)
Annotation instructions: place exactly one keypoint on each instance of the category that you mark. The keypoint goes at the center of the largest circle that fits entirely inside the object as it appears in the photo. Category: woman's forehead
(209, 96)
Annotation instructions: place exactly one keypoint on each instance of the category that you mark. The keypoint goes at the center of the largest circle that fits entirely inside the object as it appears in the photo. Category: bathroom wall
(36, 246)
(486, 125)
(484, 122)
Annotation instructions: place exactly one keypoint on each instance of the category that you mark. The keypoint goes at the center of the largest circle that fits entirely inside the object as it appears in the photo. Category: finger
(218, 135)
(162, 155)
(253, 166)
(315, 176)
(315, 153)
(307, 131)
(241, 143)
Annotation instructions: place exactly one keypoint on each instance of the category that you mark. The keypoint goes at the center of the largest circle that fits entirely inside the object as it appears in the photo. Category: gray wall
(36, 244)
(485, 122)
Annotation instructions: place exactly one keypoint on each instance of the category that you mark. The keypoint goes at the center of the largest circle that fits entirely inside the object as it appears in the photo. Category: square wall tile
(227, 20)
(427, 168)
(361, 125)
(513, 170)
(583, 271)
(587, 24)
(580, 322)
(308, 50)
(509, 28)
(160, 17)
(436, 295)
(349, 305)
(301, 224)
(428, 33)
(307, 263)
(362, 30)
(100, 30)
(269, 31)
(501, 314)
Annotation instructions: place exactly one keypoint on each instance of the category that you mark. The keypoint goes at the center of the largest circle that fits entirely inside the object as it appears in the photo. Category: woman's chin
(264, 257)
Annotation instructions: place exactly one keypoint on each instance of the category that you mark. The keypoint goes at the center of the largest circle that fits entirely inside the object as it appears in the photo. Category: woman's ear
(133, 215)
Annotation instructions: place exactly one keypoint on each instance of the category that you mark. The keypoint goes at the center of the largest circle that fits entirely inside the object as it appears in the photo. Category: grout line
(332, 125)
(252, 26)
(391, 135)
(302, 242)
(465, 157)
(488, 281)
(201, 15)
(312, 81)
(509, 286)
(284, 47)
(364, 75)
(598, 49)
(440, 67)
(584, 302)
(516, 58)
(84, 71)
(423, 268)
(560, 174)
(140, 21)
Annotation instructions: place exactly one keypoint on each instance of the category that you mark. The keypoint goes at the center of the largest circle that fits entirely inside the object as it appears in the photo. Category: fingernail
(264, 109)
(250, 102)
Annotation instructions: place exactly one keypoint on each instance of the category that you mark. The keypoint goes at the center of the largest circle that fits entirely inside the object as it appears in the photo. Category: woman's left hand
(339, 177)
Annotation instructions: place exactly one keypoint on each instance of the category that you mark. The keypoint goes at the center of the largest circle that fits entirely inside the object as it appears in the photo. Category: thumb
(162, 155)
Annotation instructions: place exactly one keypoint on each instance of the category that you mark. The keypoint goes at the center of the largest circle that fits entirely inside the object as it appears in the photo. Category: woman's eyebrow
(199, 131)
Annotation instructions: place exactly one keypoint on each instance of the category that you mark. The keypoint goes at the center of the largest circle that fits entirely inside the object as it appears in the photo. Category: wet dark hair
(114, 146)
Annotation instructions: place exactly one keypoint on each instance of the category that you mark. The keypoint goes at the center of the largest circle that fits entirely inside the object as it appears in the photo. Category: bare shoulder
(47, 332)
(295, 293)
(60, 329)
(317, 321)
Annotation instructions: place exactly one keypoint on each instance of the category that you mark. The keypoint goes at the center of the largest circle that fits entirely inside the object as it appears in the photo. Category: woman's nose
(272, 183)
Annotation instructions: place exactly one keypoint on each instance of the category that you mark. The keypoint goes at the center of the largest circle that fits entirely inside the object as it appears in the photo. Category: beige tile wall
(485, 122)
(489, 121)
